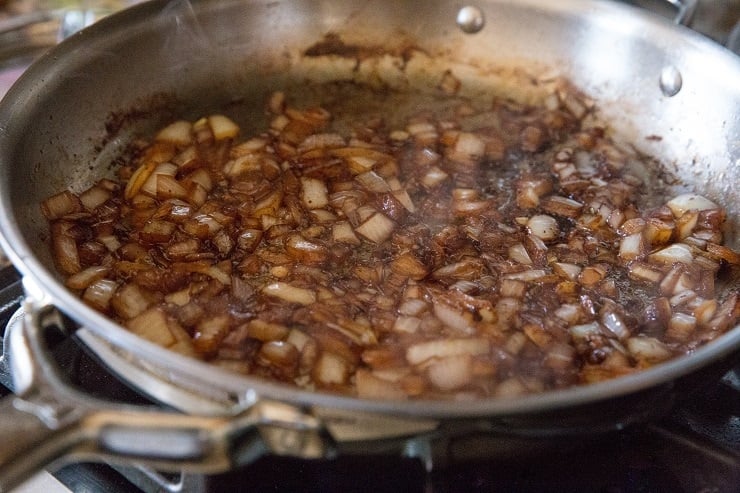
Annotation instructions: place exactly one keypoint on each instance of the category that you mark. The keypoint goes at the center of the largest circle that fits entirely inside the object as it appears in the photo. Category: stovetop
(695, 448)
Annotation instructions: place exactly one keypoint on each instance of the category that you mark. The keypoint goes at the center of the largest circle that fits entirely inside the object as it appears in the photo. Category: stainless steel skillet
(79, 106)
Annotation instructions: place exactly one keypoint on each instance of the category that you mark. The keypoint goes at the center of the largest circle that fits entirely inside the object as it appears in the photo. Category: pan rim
(13, 242)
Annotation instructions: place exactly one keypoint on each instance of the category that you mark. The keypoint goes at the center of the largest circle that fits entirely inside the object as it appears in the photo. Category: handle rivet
(670, 81)
(470, 19)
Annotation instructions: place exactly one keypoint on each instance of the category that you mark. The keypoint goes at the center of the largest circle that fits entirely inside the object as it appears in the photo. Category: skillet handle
(48, 421)
(685, 11)
(38, 433)
(39, 425)
(28, 443)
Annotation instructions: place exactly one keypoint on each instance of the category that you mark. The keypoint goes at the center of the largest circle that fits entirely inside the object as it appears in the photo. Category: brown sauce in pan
(464, 252)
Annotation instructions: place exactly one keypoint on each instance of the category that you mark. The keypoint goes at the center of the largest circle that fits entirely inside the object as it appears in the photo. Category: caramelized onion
(493, 252)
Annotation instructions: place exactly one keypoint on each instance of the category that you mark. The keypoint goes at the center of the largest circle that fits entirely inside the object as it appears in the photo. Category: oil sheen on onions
(471, 253)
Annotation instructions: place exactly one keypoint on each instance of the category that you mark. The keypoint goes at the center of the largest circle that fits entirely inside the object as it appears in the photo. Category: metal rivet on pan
(670, 81)
(470, 19)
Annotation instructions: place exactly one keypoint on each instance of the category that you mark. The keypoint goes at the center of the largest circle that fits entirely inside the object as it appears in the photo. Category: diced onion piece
(529, 191)
(570, 271)
(219, 275)
(84, 278)
(644, 272)
(323, 216)
(321, 141)
(451, 372)
(418, 128)
(591, 275)
(331, 369)
(377, 228)
(509, 388)
(668, 284)
(467, 268)
(178, 133)
(422, 351)
(686, 223)
(527, 275)
(373, 182)
(434, 177)
(64, 247)
(129, 301)
(562, 206)
(407, 325)
(516, 342)
(412, 307)
(705, 311)
(615, 219)
(405, 199)
(60, 205)
(632, 226)
(360, 164)
(518, 253)
(507, 310)
(584, 332)
(658, 231)
(399, 135)
(343, 232)
(305, 251)
(452, 317)
(313, 193)
(244, 166)
(409, 266)
(154, 325)
(631, 247)
(684, 283)
(299, 339)
(94, 197)
(370, 386)
(266, 331)
(470, 207)
(537, 334)
(468, 147)
(197, 195)
(680, 326)
(569, 313)
(269, 204)
(722, 252)
(544, 227)
(648, 350)
(188, 158)
(683, 297)
(149, 187)
(110, 242)
(99, 293)
(137, 180)
(560, 356)
(180, 298)
(614, 323)
(157, 231)
(577, 107)
(289, 293)
(280, 354)
(222, 127)
(209, 333)
(513, 288)
(689, 202)
(669, 255)
(169, 188)
(726, 314)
